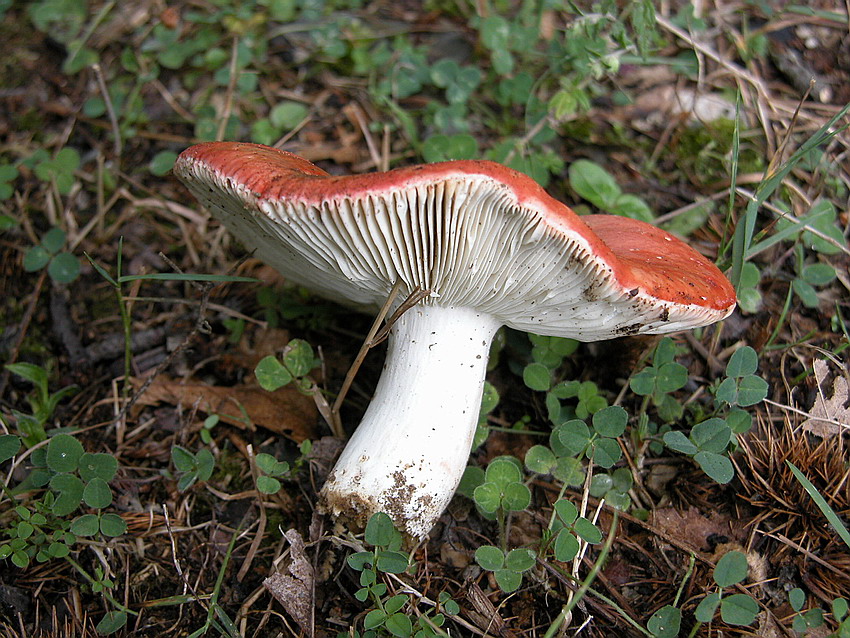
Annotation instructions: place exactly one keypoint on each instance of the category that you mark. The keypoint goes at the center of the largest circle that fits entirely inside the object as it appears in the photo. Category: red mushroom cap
(475, 233)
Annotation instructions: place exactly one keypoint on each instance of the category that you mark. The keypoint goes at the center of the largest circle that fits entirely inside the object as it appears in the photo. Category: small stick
(110, 110)
(414, 298)
(358, 360)
(261, 524)
(228, 96)
(376, 335)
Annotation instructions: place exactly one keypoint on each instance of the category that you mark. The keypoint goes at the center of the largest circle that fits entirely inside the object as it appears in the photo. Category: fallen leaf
(285, 411)
(691, 526)
(828, 416)
(295, 590)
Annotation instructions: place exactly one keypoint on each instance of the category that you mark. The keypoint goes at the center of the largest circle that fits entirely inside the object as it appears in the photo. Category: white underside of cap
(466, 241)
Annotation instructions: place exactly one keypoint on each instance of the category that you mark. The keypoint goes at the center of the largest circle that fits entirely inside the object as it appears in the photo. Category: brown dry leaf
(484, 614)
(829, 416)
(691, 526)
(285, 411)
(295, 590)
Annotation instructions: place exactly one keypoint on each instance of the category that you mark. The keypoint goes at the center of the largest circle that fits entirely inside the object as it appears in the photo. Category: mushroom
(491, 247)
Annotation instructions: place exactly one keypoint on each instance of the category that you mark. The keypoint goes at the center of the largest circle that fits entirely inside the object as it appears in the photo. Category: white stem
(409, 452)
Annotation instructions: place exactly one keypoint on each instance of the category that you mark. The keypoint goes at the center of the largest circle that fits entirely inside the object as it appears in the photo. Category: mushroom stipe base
(409, 452)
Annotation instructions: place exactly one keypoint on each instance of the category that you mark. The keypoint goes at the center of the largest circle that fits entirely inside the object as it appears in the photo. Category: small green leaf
(739, 609)
(610, 421)
(182, 458)
(502, 471)
(839, 609)
(100, 465)
(751, 390)
(359, 560)
(488, 496)
(36, 258)
(271, 374)
(540, 459)
(85, 525)
(112, 525)
(489, 399)
(64, 453)
(268, 484)
(712, 435)
(606, 452)
(520, 560)
(818, 274)
(508, 580)
(162, 162)
(592, 182)
(392, 562)
(566, 511)
(739, 421)
(516, 498)
(111, 622)
(69, 491)
(206, 464)
(566, 546)
(678, 442)
(707, 606)
(570, 438)
(287, 115)
(472, 477)
(537, 377)
(670, 377)
(718, 467)
(797, 598)
(731, 569)
(665, 622)
(743, 362)
(395, 603)
(53, 240)
(374, 619)
(298, 357)
(9, 446)
(600, 485)
(569, 471)
(270, 465)
(489, 557)
(379, 530)
(399, 625)
(629, 205)
(587, 531)
(97, 494)
(643, 382)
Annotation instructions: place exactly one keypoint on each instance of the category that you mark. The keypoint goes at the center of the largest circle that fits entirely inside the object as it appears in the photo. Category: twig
(367, 344)
(261, 524)
(110, 111)
(228, 96)
(412, 299)
(357, 113)
(375, 336)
